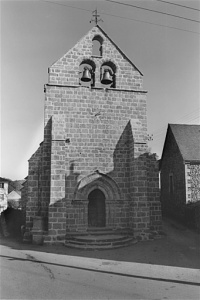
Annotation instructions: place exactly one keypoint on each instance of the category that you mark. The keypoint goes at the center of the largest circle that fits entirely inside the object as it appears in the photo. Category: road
(29, 274)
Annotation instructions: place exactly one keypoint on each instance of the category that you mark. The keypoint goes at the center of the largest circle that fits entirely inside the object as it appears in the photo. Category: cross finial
(96, 17)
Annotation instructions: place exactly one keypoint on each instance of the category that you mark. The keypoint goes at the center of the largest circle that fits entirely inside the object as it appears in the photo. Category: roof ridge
(122, 53)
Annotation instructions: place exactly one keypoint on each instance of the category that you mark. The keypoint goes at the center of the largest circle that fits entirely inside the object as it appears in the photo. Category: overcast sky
(34, 34)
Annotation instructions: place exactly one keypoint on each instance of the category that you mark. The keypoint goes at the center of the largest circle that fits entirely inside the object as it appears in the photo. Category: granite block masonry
(93, 168)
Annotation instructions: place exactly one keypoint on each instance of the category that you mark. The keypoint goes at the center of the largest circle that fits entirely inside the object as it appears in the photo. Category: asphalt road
(29, 274)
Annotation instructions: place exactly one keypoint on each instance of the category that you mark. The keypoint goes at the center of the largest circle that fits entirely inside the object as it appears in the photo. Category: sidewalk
(179, 247)
(137, 270)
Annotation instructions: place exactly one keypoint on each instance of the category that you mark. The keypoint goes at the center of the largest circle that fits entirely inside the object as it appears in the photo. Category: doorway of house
(96, 209)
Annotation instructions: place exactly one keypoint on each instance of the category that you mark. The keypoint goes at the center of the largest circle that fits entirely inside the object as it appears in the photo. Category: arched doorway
(96, 209)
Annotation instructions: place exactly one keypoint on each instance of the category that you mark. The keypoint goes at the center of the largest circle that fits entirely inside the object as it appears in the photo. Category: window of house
(2, 185)
(171, 184)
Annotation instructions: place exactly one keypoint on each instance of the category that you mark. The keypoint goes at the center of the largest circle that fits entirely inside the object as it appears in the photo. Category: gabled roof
(15, 185)
(14, 195)
(2, 179)
(121, 52)
(188, 140)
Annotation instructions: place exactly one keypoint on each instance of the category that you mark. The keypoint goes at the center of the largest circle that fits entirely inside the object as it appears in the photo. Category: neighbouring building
(12, 216)
(93, 170)
(180, 169)
(15, 185)
(10, 193)
(3, 193)
(14, 198)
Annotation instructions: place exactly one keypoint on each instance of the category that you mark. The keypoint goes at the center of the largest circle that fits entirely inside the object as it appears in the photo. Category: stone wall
(24, 195)
(154, 193)
(173, 201)
(195, 182)
(33, 205)
(192, 182)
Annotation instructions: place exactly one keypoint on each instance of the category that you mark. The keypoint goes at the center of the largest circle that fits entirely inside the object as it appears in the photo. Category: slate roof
(188, 140)
(2, 179)
(18, 184)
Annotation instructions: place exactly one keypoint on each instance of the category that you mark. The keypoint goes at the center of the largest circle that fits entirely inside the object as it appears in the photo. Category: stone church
(93, 175)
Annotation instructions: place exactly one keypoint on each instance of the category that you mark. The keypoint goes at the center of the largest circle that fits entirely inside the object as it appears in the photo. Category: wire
(156, 24)
(156, 11)
(116, 16)
(188, 7)
(66, 5)
(189, 118)
(157, 134)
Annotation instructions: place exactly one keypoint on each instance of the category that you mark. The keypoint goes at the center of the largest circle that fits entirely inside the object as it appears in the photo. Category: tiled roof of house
(3, 179)
(188, 140)
(15, 185)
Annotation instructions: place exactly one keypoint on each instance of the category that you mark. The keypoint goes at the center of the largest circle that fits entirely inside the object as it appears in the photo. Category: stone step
(98, 246)
(96, 229)
(101, 242)
(107, 229)
(101, 231)
(110, 232)
(98, 239)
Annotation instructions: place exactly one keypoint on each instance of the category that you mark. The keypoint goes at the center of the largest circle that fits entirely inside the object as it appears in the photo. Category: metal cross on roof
(96, 18)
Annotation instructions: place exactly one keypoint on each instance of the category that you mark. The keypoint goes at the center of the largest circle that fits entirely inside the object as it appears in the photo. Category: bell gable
(98, 62)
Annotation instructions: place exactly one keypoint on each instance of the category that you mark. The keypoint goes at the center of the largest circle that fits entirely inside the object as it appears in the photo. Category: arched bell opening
(87, 73)
(96, 209)
(108, 75)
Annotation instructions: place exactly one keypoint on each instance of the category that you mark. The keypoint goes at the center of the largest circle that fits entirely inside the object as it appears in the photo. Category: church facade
(92, 169)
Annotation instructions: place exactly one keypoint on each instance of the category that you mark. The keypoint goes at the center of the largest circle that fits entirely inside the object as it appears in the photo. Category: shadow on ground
(179, 246)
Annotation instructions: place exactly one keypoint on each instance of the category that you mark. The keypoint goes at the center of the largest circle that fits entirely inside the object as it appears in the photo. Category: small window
(97, 46)
(171, 184)
(2, 185)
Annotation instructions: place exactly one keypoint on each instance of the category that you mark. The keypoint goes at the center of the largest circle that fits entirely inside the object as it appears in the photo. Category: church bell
(86, 75)
(107, 78)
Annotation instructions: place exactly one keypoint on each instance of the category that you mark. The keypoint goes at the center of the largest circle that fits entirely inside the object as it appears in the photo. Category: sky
(34, 34)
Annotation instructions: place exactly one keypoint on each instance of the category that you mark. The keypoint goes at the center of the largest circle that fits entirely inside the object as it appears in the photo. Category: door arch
(96, 209)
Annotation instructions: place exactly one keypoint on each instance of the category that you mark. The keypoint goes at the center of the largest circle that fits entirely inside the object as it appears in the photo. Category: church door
(96, 209)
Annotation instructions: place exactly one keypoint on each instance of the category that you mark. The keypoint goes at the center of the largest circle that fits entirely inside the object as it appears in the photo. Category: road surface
(29, 274)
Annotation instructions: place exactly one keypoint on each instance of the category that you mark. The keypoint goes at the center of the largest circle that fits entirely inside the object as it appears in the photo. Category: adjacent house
(14, 198)
(15, 185)
(10, 193)
(180, 169)
(4, 182)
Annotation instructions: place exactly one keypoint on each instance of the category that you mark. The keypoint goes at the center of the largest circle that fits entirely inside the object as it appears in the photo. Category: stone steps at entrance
(106, 231)
(99, 238)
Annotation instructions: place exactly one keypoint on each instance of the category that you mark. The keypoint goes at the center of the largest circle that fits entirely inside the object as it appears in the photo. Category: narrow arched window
(97, 46)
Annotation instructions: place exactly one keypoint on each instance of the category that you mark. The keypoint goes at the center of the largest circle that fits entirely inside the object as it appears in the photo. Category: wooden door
(96, 209)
